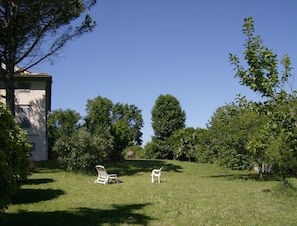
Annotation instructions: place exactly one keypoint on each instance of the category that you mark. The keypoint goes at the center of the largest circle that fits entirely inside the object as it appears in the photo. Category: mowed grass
(189, 194)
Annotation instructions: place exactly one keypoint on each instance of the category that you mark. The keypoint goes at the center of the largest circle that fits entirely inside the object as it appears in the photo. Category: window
(23, 86)
(23, 116)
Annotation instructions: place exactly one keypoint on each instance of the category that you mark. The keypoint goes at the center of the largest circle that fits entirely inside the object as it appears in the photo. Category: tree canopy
(167, 116)
(61, 123)
(106, 131)
(123, 120)
(32, 31)
(277, 138)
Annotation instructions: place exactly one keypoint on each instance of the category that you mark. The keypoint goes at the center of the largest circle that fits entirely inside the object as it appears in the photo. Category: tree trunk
(10, 98)
(9, 87)
(284, 178)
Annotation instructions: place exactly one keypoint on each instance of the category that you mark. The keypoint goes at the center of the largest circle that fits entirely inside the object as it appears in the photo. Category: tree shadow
(25, 196)
(119, 214)
(37, 181)
(47, 166)
(123, 168)
(247, 176)
(132, 167)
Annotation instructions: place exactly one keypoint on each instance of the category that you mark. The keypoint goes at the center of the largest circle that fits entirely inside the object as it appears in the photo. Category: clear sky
(141, 49)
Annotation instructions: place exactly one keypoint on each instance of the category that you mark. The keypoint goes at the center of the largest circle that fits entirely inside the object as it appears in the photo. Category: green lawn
(189, 194)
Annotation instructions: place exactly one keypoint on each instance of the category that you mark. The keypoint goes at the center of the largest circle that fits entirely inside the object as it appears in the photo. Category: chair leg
(153, 179)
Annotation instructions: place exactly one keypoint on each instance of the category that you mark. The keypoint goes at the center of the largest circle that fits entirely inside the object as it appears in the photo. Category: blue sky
(141, 49)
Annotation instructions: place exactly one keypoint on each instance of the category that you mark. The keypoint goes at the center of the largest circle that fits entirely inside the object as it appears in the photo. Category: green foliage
(150, 150)
(276, 141)
(126, 126)
(82, 150)
(14, 157)
(120, 132)
(281, 135)
(107, 131)
(138, 151)
(99, 111)
(202, 149)
(32, 31)
(131, 117)
(122, 120)
(184, 143)
(61, 123)
(158, 149)
(167, 116)
(262, 74)
(230, 128)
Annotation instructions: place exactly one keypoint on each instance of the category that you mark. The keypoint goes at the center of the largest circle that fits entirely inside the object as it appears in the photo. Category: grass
(189, 194)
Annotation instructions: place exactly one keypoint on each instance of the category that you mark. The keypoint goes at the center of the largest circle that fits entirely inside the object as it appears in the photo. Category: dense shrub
(82, 150)
(204, 155)
(14, 157)
(138, 152)
(158, 149)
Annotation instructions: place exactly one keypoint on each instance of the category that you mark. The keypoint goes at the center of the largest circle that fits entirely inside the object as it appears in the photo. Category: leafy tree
(61, 123)
(32, 31)
(126, 125)
(14, 156)
(202, 151)
(130, 116)
(158, 149)
(167, 116)
(120, 132)
(99, 112)
(230, 129)
(183, 142)
(122, 121)
(263, 77)
(150, 150)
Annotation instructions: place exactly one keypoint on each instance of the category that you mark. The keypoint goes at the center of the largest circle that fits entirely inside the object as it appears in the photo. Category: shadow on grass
(48, 166)
(37, 181)
(25, 196)
(131, 167)
(119, 214)
(124, 168)
(247, 176)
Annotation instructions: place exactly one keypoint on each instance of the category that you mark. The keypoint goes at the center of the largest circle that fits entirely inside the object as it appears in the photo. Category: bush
(14, 157)
(158, 149)
(82, 150)
(138, 152)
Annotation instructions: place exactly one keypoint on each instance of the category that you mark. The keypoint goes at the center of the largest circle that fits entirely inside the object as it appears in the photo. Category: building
(32, 105)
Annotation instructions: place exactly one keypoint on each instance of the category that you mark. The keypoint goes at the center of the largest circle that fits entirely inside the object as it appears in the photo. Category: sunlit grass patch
(189, 194)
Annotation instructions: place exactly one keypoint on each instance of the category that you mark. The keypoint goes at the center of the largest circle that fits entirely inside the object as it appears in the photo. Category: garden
(189, 194)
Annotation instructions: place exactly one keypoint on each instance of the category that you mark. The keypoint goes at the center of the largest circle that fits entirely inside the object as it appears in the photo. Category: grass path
(189, 194)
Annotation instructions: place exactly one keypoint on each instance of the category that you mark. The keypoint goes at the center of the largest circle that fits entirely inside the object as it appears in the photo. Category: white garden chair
(104, 177)
(156, 173)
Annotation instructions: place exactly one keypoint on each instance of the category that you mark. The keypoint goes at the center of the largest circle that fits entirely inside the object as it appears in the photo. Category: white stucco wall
(34, 101)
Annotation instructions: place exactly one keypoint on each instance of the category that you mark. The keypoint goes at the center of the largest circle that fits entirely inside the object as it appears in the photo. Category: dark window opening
(23, 116)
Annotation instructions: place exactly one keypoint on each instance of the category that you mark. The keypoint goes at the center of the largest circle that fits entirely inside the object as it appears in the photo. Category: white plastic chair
(156, 173)
(104, 177)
